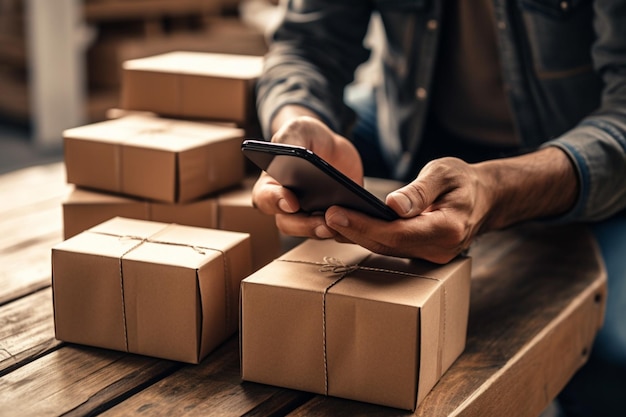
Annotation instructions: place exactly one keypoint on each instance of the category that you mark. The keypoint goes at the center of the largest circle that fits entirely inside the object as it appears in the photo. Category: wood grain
(26, 330)
(77, 381)
(537, 300)
(212, 388)
(31, 224)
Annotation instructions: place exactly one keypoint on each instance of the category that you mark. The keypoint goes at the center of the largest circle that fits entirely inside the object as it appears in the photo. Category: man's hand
(442, 210)
(451, 202)
(297, 126)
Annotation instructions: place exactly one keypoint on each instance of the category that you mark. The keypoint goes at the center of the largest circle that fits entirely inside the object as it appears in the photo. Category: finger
(272, 198)
(304, 225)
(356, 227)
(414, 198)
(423, 237)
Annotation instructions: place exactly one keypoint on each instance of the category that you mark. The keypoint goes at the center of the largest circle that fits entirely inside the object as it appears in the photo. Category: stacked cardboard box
(219, 35)
(172, 169)
(230, 210)
(328, 318)
(132, 29)
(119, 30)
(193, 85)
(150, 288)
(160, 228)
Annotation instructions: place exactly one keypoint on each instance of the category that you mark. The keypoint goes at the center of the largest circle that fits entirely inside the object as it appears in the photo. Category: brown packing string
(336, 266)
(122, 293)
(199, 249)
(227, 278)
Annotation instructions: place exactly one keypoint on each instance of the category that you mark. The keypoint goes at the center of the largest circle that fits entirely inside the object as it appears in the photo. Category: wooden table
(537, 301)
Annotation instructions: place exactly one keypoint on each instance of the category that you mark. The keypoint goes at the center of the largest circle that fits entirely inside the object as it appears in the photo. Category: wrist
(536, 185)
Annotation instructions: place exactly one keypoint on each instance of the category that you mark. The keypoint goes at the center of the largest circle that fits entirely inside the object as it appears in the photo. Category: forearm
(537, 185)
(313, 55)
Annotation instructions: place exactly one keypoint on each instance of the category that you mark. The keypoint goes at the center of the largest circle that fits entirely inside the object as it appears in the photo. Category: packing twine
(337, 266)
(199, 249)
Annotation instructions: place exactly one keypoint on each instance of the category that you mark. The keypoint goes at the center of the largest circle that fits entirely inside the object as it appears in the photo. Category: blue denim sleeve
(312, 57)
(597, 145)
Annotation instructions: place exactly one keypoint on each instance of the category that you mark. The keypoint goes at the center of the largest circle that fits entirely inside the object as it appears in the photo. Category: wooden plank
(31, 225)
(213, 387)
(77, 381)
(529, 330)
(26, 330)
(27, 271)
(24, 187)
(28, 227)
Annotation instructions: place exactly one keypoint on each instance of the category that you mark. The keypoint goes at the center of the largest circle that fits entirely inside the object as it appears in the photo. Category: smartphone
(316, 183)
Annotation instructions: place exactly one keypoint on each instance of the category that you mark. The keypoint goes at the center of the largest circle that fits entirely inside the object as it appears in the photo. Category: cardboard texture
(228, 210)
(193, 85)
(236, 213)
(383, 332)
(158, 159)
(83, 209)
(150, 288)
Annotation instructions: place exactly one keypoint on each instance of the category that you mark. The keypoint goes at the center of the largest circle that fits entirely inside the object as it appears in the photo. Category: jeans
(597, 390)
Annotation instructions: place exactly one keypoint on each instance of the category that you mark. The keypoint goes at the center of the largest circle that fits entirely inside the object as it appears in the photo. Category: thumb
(412, 199)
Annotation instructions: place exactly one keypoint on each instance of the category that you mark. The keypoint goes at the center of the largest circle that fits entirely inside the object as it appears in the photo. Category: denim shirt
(563, 65)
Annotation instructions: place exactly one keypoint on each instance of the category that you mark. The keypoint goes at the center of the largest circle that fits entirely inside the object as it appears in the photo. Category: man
(494, 112)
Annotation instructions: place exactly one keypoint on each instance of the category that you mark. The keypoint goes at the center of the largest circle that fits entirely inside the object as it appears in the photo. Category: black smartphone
(316, 183)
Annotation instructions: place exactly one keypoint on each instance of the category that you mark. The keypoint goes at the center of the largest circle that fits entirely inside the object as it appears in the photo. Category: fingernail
(403, 201)
(284, 206)
(323, 232)
(339, 219)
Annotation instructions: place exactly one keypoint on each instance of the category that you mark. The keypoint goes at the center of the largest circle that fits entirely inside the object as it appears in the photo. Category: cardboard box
(236, 213)
(193, 85)
(158, 159)
(359, 326)
(229, 210)
(106, 57)
(167, 291)
(83, 209)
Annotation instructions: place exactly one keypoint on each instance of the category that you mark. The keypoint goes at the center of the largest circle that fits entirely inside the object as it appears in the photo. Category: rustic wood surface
(537, 301)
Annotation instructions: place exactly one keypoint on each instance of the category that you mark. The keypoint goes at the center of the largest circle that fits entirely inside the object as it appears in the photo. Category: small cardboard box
(193, 85)
(106, 57)
(357, 325)
(228, 210)
(236, 213)
(167, 291)
(83, 209)
(158, 159)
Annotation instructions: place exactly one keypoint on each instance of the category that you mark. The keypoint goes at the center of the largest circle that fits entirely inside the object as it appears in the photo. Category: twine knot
(336, 266)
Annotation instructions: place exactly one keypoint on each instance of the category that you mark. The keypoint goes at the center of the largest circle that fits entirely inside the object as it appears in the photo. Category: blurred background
(60, 61)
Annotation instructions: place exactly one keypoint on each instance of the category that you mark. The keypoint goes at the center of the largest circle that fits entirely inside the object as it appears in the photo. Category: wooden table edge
(589, 305)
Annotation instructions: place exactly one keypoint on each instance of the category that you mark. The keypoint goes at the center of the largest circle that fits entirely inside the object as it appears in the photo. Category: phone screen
(316, 184)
